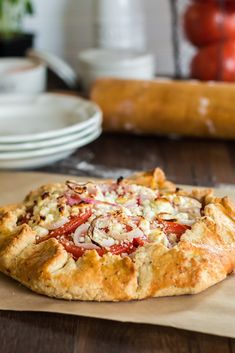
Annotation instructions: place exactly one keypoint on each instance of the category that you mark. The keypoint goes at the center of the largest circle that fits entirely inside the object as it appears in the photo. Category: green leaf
(1, 8)
(14, 2)
(29, 7)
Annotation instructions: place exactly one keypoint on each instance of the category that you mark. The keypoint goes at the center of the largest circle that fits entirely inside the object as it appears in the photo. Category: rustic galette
(118, 240)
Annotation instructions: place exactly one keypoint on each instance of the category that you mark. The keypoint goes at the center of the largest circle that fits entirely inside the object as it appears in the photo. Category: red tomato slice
(68, 227)
(76, 251)
(206, 22)
(119, 249)
(129, 228)
(173, 227)
(138, 242)
(114, 249)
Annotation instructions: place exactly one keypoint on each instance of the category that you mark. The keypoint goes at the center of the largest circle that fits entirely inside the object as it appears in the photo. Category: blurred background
(153, 67)
(172, 30)
(163, 28)
(67, 26)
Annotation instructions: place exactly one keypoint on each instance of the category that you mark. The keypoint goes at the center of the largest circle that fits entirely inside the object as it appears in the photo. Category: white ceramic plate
(33, 118)
(7, 156)
(24, 146)
(34, 162)
(39, 161)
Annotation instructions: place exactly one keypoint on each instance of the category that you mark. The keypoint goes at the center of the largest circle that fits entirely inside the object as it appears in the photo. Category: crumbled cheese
(144, 225)
(157, 236)
(163, 205)
(41, 231)
(123, 204)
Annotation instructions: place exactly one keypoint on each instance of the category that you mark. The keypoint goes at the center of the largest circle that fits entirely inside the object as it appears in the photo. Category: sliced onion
(143, 196)
(90, 187)
(58, 223)
(94, 229)
(135, 233)
(98, 235)
(135, 219)
(77, 199)
(107, 242)
(188, 222)
(81, 230)
(96, 202)
(167, 216)
(87, 246)
(130, 203)
(73, 200)
(108, 187)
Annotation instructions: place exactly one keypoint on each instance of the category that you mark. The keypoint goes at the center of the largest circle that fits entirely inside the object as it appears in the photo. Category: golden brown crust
(204, 256)
(154, 179)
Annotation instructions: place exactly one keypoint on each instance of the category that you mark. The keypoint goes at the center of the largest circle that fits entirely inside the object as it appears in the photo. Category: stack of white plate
(42, 129)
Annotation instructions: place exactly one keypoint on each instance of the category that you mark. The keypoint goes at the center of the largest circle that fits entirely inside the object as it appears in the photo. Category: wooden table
(196, 162)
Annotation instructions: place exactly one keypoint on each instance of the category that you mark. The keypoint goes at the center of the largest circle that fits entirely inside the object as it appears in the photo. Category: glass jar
(119, 24)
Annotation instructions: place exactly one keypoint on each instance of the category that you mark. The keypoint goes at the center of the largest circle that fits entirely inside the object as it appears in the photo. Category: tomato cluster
(211, 27)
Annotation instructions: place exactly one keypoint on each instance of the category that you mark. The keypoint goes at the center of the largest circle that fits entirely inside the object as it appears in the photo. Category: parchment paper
(212, 311)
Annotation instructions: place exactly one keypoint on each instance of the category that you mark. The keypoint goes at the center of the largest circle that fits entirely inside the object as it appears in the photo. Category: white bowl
(114, 58)
(20, 75)
(96, 63)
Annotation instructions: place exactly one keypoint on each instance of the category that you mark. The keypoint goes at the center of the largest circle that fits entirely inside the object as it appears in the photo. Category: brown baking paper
(212, 311)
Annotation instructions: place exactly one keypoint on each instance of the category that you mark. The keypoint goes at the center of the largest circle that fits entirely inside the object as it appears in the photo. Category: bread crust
(204, 256)
(166, 107)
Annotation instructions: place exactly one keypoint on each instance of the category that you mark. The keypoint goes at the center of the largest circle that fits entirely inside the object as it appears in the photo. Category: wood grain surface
(197, 162)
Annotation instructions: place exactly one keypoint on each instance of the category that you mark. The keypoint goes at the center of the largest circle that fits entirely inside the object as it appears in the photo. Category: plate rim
(51, 150)
(95, 117)
(7, 165)
(33, 145)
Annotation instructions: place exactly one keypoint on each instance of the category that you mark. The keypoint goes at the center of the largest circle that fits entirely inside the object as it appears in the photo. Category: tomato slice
(116, 249)
(128, 228)
(138, 242)
(170, 227)
(68, 227)
(127, 247)
(76, 251)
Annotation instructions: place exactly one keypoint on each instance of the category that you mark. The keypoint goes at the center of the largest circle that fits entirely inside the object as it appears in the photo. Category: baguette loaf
(188, 108)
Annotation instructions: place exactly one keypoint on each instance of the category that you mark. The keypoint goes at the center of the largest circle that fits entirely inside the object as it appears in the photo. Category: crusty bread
(187, 108)
(204, 256)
